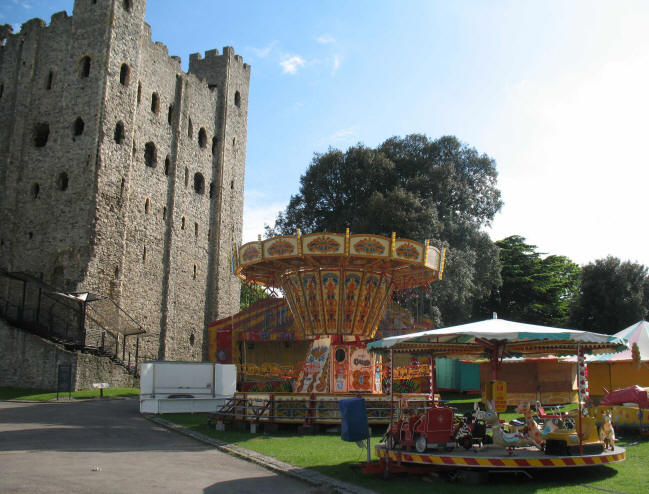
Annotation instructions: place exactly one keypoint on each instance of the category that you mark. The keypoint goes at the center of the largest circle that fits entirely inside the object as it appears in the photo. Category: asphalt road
(105, 446)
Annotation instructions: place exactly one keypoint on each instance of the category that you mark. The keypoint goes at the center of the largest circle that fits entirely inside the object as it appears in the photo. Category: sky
(556, 92)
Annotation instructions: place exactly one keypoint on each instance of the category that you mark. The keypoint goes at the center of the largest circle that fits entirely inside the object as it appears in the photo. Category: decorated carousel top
(338, 284)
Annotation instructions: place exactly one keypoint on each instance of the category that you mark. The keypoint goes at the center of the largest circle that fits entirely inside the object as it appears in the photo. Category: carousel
(337, 287)
(432, 438)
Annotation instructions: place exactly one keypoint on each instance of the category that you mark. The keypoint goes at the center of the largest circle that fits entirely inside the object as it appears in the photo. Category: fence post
(137, 349)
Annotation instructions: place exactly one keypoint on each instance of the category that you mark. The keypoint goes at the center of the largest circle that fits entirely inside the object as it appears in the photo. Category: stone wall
(29, 361)
(137, 192)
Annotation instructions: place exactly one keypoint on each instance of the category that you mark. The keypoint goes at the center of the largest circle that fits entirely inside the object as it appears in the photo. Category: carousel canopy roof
(637, 333)
(476, 340)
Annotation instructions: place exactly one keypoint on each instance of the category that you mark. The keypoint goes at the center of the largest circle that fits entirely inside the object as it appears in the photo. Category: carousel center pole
(387, 445)
(433, 380)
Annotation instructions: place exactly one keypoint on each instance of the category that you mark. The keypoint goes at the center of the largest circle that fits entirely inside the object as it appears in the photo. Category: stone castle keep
(121, 174)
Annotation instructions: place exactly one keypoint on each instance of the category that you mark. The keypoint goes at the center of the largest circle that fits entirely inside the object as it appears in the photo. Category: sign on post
(101, 387)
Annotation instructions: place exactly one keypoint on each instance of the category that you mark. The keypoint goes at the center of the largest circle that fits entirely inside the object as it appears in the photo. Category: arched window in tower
(124, 74)
(147, 206)
(84, 67)
(237, 99)
(182, 223)
(41, 134)
(50, 78)
(199, 183)
(77, 127)
(150, 155)
(155, 103)
(202, 137)
(62, 181)
(119, 133)
(127, 5)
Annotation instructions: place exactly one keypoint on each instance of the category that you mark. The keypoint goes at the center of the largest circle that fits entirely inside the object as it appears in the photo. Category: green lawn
(328, 454)
(46, 395)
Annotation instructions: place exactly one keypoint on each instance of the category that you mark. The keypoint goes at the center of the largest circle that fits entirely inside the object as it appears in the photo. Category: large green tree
(535, 289)
(612, 296)
(420, 188)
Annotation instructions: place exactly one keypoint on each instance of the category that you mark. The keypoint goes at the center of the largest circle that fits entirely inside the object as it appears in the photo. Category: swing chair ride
(337, 287)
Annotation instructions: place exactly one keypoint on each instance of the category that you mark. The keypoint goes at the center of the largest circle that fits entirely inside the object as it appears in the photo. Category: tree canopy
(534, 289)
(612, 296)
(420, 188)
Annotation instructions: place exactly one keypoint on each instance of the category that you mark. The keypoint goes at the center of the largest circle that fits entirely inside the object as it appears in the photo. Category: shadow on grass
(447, 482)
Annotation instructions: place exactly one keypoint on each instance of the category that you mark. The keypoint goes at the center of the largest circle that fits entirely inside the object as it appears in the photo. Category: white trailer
(180, 387)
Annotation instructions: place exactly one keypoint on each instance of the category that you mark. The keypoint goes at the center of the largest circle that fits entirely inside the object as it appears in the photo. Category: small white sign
(100, 385)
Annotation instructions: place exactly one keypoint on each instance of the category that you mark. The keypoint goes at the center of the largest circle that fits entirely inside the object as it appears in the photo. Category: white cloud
(291, 64)
(341, 136)
(265, 51)
(335, 65)
(325, 39)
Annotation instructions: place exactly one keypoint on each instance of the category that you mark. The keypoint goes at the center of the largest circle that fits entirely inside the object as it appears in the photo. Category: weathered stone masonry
(122, 174)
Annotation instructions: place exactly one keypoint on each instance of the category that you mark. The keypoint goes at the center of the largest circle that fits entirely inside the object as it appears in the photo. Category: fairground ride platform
(494, 458)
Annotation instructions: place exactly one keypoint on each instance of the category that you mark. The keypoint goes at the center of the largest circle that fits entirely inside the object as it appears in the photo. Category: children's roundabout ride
(438, 441)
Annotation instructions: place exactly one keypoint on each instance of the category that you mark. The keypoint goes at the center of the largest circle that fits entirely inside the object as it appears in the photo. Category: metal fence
(88, 322)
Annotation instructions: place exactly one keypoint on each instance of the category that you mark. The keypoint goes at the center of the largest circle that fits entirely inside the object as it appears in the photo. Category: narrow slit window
(182, 223)
(62, 181)
(190, 129)
(237, 99)
(170, 114)
(84, 67)
(150, 155)
(119, 133)
(36, 188)
(124, 74)
(78, 126)
(139, 92)
(41, 134)
(196, 229)
(215, 143)
(50, 78)
(147, 206)
(199, 183)
(155, 103)
(167, 165)
(202, 137)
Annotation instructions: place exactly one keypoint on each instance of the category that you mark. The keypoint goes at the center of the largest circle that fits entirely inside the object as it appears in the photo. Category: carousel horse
(606, 432)
(534, 432)
(508, 440)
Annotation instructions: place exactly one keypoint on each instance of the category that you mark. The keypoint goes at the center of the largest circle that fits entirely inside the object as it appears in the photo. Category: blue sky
(557, 92)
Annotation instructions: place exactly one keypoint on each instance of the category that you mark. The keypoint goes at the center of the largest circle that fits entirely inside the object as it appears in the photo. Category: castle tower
(122, 174)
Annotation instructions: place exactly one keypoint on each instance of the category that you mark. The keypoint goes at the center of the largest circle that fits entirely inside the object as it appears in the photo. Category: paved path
(105, 446)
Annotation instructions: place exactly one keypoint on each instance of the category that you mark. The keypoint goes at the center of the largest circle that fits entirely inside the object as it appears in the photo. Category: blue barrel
(354, 425)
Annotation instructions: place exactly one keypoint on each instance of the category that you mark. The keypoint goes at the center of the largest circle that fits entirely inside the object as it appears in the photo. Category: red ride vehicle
(435, 428)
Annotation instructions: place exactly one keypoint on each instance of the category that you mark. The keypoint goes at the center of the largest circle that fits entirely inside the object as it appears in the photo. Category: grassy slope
(45, 395)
